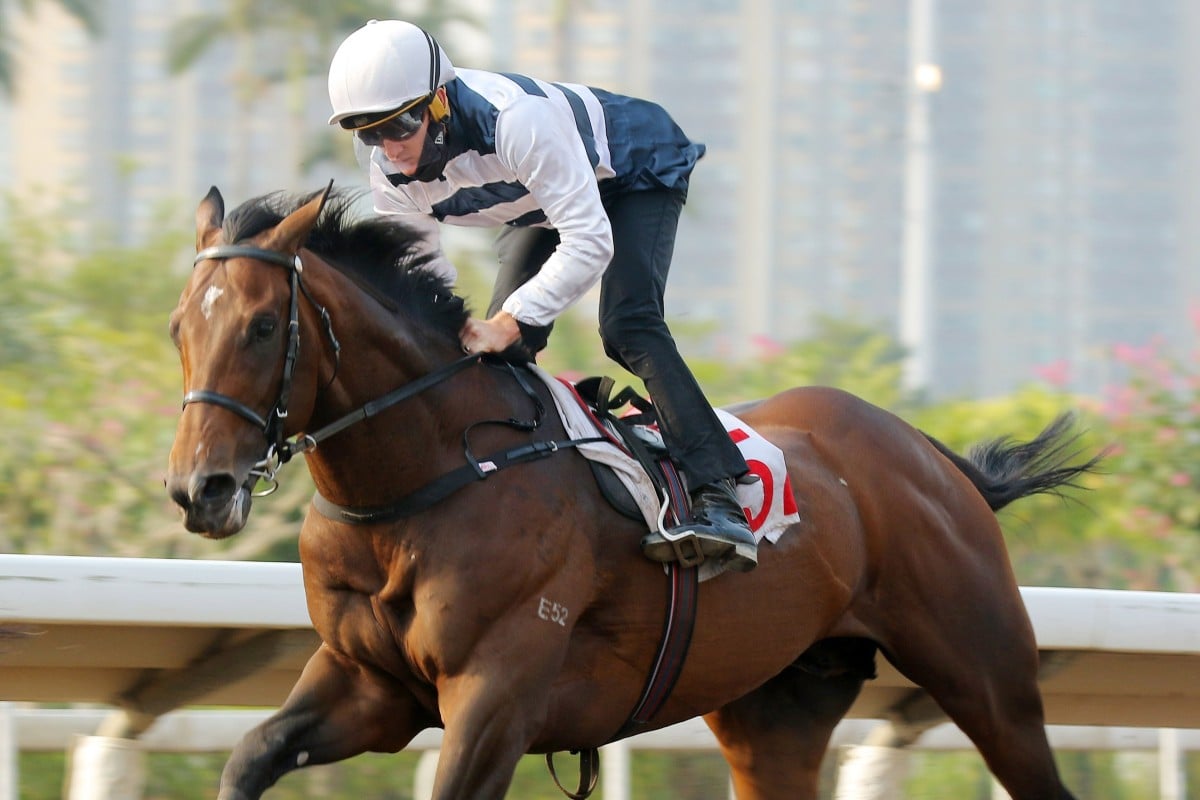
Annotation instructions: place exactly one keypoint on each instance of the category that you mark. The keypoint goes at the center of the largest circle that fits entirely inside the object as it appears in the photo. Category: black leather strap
(589, 773)
(443, 486)
(228, 403)
(223, 251)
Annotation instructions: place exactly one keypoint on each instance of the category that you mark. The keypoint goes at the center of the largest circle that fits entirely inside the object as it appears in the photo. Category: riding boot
(717, 529)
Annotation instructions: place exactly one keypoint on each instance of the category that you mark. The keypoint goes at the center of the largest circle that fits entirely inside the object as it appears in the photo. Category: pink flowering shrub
(1154, 468)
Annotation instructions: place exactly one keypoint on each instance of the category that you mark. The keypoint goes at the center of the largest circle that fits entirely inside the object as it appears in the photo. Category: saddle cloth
(768, 503)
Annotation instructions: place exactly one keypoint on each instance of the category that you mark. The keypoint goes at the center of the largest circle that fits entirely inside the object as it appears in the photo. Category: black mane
(378, 253)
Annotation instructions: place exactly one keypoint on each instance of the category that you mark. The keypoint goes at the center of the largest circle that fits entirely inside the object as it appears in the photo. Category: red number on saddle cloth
(767, 481)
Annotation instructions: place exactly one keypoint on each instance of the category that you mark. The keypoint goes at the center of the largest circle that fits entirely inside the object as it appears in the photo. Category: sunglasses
(401, 125)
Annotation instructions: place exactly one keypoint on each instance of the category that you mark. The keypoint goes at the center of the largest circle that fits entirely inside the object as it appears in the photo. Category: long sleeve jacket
(527, 152)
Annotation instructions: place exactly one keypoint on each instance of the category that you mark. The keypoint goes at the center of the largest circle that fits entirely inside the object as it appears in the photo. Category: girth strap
(678, 623)
(682, 578)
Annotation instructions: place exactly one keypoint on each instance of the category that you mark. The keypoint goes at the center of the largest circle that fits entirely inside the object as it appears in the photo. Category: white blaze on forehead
(210, 297)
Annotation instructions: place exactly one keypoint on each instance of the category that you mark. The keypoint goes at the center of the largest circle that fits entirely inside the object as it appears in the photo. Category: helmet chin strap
(434, 153)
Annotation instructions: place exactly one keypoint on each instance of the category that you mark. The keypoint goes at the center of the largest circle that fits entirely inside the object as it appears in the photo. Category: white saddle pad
(769, 505)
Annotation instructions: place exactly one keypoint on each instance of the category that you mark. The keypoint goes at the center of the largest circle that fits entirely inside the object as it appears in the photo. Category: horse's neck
(400, 448)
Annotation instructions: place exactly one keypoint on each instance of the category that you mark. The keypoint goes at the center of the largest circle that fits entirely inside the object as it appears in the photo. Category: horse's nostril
(180, 496)
(217, 487)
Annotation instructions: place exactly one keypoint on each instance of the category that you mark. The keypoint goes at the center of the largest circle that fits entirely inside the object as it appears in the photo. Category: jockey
(586, 185)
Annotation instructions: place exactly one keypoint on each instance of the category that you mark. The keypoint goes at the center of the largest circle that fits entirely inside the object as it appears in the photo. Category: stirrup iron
(682, 542)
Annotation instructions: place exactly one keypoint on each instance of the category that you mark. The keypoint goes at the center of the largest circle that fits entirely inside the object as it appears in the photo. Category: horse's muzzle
(214, 505)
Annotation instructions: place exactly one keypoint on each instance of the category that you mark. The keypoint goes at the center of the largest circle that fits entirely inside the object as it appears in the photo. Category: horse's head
(237, 331)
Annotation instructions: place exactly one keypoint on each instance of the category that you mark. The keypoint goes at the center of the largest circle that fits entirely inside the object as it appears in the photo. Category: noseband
(279, 450)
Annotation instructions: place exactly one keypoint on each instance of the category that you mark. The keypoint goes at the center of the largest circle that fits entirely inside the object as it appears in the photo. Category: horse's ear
(289, 235)
(209, 217)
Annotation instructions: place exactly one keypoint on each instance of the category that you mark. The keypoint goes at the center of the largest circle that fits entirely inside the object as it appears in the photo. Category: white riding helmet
(383, 66)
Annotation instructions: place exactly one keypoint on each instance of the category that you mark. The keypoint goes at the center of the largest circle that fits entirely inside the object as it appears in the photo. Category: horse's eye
(262, 328)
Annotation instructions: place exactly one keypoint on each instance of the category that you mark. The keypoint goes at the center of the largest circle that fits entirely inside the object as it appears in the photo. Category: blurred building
(1066, 166)
(796, 209)
(100, 125)
(1060, 166)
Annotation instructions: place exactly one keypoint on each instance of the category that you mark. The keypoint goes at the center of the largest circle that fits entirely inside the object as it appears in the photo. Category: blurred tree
(847, 354)
(1139, 525)
(42, 775)
(962, 776)
(285, 42)
(566, 38)
(89, 398)
(1051, 541)
(1154, 418)
(78, 399)
(86, 11)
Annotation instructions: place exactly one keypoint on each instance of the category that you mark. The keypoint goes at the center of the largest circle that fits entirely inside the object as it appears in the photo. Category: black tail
(1004, 470)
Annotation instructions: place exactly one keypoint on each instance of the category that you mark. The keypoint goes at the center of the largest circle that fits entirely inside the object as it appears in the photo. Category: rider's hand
(493, 335)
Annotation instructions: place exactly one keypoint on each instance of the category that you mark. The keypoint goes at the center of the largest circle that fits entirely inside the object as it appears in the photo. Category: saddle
(632, 431)
(617, 434)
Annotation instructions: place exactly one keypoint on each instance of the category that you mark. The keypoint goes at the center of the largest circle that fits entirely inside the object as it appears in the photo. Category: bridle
(280, 449)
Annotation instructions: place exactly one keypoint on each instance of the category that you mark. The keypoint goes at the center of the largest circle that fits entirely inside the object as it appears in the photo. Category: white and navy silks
(569, 160)
(525, 152)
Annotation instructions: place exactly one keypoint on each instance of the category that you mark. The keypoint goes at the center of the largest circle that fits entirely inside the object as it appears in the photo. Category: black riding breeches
(633, 326)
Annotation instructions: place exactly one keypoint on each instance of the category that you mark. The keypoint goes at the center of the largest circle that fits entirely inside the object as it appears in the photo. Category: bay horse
(518, 612)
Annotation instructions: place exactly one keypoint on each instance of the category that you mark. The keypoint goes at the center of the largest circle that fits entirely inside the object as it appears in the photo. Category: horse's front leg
(484, 741)
(494, 710)
(336, 710)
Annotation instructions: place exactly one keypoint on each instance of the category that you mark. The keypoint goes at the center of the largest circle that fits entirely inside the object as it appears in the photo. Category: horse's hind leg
(982, 669)
(775, 737)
